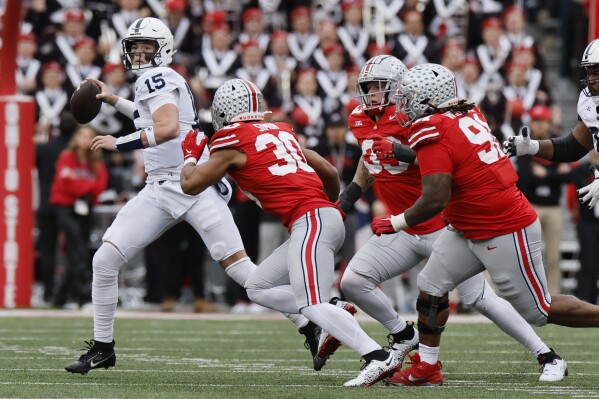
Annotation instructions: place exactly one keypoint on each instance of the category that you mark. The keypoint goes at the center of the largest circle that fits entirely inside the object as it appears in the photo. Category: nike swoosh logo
(188, 151)
(392, 117)
(412, 379)
(389, 362)
(92, 364)
(490, 248)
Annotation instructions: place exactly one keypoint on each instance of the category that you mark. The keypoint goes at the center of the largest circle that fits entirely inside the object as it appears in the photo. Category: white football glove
(520, 144)
(591, 192)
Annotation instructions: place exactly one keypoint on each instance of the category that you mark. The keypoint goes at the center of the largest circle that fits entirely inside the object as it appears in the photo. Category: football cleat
(553, 367)
(327, 345)
(98, 355)
(374, 371)
(403, 347)
(312, 333)
(418, 374)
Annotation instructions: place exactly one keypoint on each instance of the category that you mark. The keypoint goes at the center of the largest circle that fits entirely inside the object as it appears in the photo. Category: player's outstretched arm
(568, 148)
(196, 178)
(326, 172)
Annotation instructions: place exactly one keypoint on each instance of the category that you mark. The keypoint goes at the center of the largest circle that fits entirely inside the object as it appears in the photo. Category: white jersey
(588, 112)
(165, 160)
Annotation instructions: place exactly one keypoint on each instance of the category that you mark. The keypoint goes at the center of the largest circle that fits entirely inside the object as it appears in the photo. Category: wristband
(150, 136)
(535, 146)
(399, 222)
(125, 107)
(190, 160)
(129, 142)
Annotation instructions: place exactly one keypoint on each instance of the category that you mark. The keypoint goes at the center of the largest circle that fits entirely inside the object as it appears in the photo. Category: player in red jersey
(387, 256)
(266, 161)
(467, 177)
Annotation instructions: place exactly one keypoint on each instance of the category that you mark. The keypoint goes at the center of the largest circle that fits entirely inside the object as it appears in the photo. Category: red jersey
(485, 201)
(397, 184)
(275, 175)
(75, 179)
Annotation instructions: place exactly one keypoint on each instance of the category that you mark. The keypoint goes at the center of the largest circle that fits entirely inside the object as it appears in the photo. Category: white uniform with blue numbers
(166, 158)
(588, 113)
(162, 203)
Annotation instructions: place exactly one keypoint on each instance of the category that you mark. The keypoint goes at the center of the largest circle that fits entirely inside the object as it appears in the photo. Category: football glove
(590, 193)
(386, 148)
(520, 144)
(192, 150)
(382, 225)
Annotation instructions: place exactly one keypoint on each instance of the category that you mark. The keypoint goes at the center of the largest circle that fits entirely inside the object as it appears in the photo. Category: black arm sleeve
(349, 196)
(567, 149)
(403, 153)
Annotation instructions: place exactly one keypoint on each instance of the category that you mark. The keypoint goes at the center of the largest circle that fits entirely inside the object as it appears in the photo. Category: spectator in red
(80, 177)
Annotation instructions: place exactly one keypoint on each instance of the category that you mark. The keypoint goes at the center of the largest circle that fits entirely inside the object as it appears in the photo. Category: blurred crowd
(305, 56)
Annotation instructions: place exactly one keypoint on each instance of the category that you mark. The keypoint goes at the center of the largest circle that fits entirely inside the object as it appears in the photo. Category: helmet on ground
(150, 30)
(385, 70)
(236, 100)
(424, 89)
(590, 60)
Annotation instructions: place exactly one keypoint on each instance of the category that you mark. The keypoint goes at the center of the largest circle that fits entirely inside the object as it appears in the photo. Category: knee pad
(217, 251)
(430, 308)
(108, 260)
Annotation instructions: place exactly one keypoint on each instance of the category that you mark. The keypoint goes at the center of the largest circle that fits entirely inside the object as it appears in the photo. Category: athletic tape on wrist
(399, 222)
(150, 136)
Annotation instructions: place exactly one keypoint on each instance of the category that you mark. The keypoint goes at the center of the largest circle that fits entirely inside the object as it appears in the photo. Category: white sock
(428, 354)
(241, 270)
(503, 314)
(105, 293)
(364, 293)
(341, 325)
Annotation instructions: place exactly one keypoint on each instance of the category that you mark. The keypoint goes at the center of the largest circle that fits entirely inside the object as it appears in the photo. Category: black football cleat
(312, 333)
(99, 355)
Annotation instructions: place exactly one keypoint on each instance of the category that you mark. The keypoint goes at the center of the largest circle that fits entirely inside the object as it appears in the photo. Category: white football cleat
(554, 371)
(374, 371)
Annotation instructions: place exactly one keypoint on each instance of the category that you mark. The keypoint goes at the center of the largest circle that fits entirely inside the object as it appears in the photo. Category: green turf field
(266, 359)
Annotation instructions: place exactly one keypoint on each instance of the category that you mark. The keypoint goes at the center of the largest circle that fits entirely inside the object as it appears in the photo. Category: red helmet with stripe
(236, 100)
(384, 70)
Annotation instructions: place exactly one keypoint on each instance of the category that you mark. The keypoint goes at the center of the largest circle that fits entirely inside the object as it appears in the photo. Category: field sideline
(184, 355)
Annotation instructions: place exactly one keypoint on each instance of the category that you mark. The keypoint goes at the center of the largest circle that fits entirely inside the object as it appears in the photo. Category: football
(84, 104)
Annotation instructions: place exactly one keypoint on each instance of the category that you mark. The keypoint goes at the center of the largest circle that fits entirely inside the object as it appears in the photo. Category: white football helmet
(236, 100)
(152, 30)
(387, 71)
(590, 59)
(424, 89)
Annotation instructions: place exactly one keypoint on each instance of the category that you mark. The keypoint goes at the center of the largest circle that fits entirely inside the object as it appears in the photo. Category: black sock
(548, 357)
(308, 328)
(378, 354)
(405, 334)
(103, 346)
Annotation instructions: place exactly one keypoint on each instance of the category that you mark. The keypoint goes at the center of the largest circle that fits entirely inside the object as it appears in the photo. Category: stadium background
(61, 42)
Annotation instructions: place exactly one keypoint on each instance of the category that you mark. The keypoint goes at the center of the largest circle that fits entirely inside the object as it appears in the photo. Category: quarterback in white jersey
(583, 138)
(163, 112)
